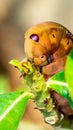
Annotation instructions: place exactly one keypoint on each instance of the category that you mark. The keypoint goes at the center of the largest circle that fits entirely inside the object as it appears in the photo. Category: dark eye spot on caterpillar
(34, 37)
(68, 43)
(53, 35)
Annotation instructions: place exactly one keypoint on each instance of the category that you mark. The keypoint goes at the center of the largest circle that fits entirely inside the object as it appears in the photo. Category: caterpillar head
(46, 43)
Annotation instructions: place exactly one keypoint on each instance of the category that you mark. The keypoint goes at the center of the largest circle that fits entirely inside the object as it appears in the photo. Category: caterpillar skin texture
(47, 45)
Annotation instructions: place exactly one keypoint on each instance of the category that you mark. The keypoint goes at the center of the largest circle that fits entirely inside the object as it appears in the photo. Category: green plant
(13, 105)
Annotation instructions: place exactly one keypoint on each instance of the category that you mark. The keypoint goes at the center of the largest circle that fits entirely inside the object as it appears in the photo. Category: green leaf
(17, 64)
(12, 106)
(69, 73)
(25, 67)
(58, 83)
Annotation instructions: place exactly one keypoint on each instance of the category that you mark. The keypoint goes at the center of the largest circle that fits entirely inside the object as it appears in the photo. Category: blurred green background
(16, 16)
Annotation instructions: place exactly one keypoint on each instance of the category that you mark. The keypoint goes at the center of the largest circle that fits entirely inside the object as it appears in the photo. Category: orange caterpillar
(47, 45)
